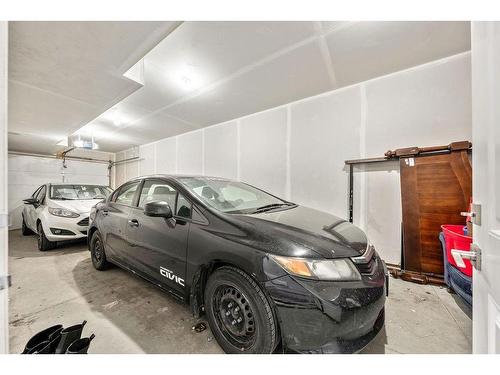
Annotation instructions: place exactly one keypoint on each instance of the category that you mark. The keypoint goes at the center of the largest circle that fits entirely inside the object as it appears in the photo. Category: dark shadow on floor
(154, 320)
(26, 246)
(464, 306)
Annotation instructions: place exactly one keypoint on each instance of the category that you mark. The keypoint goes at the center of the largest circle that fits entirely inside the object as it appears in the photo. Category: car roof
(72, 183)
(179, 176)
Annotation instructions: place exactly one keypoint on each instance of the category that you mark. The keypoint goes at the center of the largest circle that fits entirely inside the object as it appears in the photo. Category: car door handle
(133, 223)
(104, 212)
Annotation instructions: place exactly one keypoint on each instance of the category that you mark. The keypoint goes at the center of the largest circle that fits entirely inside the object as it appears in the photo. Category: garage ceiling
(63, 75)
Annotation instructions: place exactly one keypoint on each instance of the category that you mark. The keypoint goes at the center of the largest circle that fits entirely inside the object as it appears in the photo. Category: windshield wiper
(271, 206)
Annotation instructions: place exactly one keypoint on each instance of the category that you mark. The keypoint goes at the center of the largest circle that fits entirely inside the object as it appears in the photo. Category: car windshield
(78, 192)
(232, 196)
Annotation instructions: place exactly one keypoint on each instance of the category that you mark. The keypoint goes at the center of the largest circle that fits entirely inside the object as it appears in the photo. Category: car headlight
(93, 212)
(319, 269)
(62, 212)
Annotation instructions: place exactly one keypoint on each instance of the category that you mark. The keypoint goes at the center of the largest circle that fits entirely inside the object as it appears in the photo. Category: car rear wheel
(239, 313)
(25, 230)
(97, 252)
(43, 243)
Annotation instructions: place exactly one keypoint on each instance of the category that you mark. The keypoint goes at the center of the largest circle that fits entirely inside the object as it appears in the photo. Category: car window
(157, 190)
(183, 208)
(41, 194)
(231, 196)
(79, 192)
(196, 216)
(126, 194)
(234, 193)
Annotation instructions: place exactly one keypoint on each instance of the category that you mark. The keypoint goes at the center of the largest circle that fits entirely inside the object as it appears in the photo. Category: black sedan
(267, 273)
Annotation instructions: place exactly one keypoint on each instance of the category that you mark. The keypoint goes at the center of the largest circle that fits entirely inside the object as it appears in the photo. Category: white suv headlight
(319, 269)
(62, 212)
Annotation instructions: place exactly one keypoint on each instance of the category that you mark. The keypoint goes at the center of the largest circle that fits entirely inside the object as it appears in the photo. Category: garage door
(26, 173)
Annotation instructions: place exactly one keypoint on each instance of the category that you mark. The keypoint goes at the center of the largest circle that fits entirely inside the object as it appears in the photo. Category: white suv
(60, 212)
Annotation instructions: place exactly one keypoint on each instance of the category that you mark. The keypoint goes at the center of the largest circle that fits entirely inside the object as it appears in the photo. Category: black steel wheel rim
(98, 250)
(234, 316)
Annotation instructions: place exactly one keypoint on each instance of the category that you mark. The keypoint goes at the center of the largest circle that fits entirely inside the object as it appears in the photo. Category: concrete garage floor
(129, 315)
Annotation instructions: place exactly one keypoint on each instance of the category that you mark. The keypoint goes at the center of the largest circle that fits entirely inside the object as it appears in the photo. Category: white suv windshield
(231, 196)
(74, 192)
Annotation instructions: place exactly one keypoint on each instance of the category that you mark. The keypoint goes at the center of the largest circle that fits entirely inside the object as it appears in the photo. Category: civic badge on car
(170, 275)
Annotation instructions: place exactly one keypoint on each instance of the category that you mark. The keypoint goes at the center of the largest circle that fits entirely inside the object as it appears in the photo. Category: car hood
(80, 206)
(306, 232)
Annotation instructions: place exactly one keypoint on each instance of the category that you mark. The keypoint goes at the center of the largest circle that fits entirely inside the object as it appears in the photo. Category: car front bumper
(329, 317)
(63, 229)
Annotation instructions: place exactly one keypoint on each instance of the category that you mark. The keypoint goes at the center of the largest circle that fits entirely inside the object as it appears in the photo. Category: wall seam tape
(176, 154)
(238, 150)
(154, 159)
(139, 164)
(362, 151)
(288, 180)
(203, 152)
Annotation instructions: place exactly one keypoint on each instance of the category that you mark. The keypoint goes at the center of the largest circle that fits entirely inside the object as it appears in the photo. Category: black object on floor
(50, 344)
(68, 336)
(80, 346)
(41, 339)
(199, 327)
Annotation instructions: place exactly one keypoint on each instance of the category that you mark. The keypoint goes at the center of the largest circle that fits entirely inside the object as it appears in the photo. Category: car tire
(97, 252)
(25, 230)
(43, 243)
(239, 314)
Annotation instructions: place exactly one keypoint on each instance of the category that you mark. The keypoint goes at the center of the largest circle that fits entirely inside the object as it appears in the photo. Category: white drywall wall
(324, 132)
(26, 173)
(297, 151)
(221, 150)
(190, 153)
(263, 150)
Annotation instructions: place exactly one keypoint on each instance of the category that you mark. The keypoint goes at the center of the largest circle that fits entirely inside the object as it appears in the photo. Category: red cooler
(455, 239)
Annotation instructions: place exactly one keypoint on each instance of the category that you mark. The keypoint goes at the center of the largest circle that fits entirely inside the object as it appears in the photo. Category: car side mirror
(158, 209)
(32, 201)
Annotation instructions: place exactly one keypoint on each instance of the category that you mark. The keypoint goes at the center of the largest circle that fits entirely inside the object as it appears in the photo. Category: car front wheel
(43, 243)
(239, 313)
(97, 252)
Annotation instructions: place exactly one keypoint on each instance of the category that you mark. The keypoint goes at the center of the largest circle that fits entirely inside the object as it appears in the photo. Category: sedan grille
(366, 268)
(366, 262)
(84, 222)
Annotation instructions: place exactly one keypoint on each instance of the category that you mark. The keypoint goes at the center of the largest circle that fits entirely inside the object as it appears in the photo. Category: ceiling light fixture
(186, 82)
(85, 143)
(188, 77)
